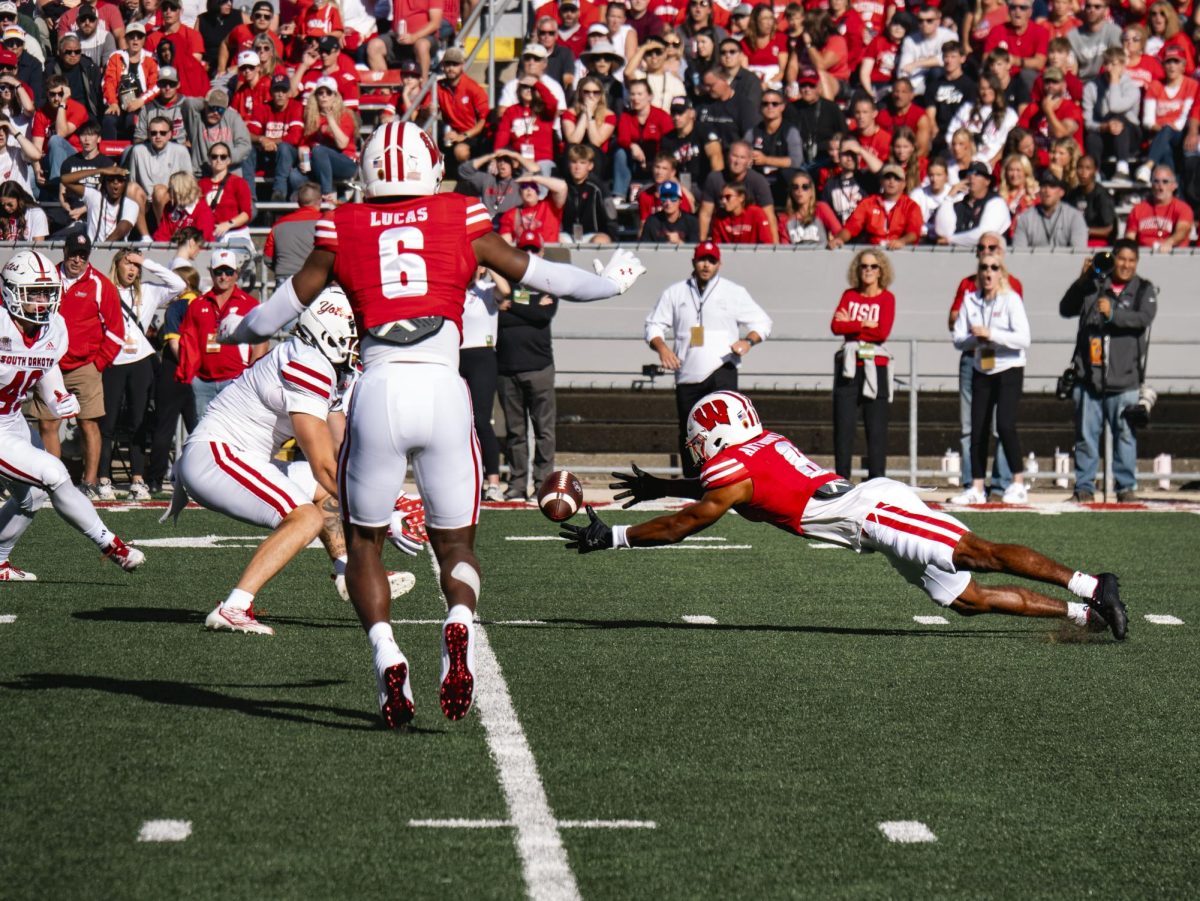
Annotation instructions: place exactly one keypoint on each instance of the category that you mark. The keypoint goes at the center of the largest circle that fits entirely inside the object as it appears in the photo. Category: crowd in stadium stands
(886, 123)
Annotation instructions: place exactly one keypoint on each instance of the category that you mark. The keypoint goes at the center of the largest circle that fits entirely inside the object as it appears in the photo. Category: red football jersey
(784, 479)
(405, 258)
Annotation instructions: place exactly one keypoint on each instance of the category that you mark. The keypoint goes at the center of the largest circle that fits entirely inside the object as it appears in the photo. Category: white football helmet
(720, 420)
(401, 160)
(328, 325)
(31, 287)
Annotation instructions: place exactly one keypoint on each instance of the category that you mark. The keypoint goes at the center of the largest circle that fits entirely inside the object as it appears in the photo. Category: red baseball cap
(529, 239)
(7, 58)
(707, 250)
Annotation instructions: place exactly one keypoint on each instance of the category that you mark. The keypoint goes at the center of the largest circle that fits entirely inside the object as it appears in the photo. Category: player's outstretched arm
(316, 441)
(562, 280)
(598, 535)
(640, 486)
(285, 304)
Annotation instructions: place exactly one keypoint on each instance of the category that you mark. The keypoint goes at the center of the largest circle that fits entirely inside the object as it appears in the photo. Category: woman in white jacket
(993, 326)
(129, 381)
(989, 118)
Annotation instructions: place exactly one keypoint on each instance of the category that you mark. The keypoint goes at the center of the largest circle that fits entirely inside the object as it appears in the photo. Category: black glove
(595, 536)
(641, 486)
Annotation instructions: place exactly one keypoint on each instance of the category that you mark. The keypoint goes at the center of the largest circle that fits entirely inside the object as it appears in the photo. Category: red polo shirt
(197, 333)
(648, 134)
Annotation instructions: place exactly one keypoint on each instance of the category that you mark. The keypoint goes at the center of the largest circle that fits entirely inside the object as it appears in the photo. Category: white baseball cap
(224, 257)
(248, 58)
(326, 81)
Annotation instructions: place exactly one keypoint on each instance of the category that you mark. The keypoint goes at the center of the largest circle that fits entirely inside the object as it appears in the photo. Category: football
(560, 496)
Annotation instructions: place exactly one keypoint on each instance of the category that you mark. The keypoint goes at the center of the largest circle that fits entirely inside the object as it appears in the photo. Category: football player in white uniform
(33, 338)
(228, 463)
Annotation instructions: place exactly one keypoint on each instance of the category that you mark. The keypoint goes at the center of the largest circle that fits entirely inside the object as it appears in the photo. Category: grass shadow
(195, 617)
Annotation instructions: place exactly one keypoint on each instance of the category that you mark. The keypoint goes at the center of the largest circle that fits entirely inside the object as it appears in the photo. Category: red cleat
(458, 670)
(395, 697)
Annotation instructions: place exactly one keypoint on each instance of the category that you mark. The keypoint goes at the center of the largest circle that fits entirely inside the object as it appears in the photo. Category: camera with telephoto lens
(1064, 388)
(1137, 414)
(1102, 264)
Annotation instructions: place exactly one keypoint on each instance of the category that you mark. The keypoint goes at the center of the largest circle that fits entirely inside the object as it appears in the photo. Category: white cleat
(9, 573)
(969, 497)
(1016, 493)
(236, 621)
(458, 669)
(126, 557)
(395, 694)
(399, 584)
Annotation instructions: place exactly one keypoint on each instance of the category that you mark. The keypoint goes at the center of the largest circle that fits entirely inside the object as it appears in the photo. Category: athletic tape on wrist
(620, 537)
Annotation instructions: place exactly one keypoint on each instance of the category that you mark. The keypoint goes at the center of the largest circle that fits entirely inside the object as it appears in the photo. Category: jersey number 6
(403, 274)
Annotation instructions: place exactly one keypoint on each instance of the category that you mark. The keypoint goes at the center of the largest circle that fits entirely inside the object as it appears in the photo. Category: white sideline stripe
(478, 622)
(699, 619)
(533, 538)
(931, 620)
(165, 830)
(822, 545)
(696, 547)
(547, 873)
(1159, 619)
(7, 619)
(507, 824)
(907, 832)
(199, 541)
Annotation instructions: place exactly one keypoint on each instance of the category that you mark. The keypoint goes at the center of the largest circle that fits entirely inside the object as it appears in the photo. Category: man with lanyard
(888, 219)
(706, 314)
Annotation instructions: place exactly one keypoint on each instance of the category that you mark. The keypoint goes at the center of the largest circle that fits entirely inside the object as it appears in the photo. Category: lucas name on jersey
(406, 217)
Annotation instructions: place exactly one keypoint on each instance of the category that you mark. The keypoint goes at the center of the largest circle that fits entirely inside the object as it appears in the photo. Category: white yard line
(165, 830)
(1163, 619)
(543, 858)
(931, 620)
(907, 832)
(7, 619)
(484, 622)
(697, 547)
(508, 824)
(699, 619)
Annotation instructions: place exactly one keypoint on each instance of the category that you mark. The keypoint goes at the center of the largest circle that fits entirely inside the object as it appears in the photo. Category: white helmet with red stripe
(401, 160)
(31, 287)
(720, 420)
(328, 325)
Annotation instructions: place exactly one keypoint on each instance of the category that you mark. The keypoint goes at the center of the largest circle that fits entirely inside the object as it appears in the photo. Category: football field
(744, 715)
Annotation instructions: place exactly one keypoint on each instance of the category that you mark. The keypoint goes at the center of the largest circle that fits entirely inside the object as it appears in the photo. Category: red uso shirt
(750, 226)
(880, 309)
(199, 354)
(784, 479)
(872, 219)
(405, 258)
(1151, 224)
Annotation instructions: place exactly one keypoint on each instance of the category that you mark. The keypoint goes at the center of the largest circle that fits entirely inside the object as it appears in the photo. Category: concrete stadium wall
(599, 344)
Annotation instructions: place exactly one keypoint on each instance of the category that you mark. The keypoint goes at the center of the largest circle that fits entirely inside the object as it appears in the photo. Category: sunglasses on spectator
(802, 186)
(158, 133)
(729, 51)
(532, 56)
(168, 84)
(218, 156)
(1163, 181)
(70, 51)
(219, 110)
(653, 51)
(224, 271)
(700, 3)
(1024, 7)
(892, 175)
(674, 43)
(865, 266)
(592, 92)
(266, 16)
(57, 95)
(547, 34)
(325, 92)
(6, 88)
(987, 248)
(1169, 60)
(12, 43)
(772, 103)
(930, 19)
(989, 267)
(728, 196)
(136, 36)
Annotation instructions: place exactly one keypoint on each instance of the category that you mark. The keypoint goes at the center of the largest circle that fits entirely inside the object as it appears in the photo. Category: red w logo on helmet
(715, 412)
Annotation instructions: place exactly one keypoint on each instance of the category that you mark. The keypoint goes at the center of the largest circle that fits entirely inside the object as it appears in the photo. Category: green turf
(766, 748)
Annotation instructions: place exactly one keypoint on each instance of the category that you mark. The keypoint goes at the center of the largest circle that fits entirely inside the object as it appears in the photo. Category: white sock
(460, 613)
(1082, 586)
(339, 565)
(1077, 613)
(238, 600)
(383, 641)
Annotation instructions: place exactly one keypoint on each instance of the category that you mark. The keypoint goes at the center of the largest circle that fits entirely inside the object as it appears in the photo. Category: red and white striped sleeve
(326, 235)
(722, 471)
(307, 388)
(478, 221)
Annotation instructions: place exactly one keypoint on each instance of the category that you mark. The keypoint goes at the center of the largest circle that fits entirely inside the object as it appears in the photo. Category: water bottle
(1162, 467)
(1031, 468)
(952, 466)
(306, 159)
(1062, 469)
(577, 232)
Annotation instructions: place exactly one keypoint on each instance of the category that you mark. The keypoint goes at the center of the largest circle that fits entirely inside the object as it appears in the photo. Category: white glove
(65, 405)
(407, 528)
(227, 327)
(623, 269)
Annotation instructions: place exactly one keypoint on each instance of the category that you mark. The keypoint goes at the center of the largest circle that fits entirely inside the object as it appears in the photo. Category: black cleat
(1106, 601)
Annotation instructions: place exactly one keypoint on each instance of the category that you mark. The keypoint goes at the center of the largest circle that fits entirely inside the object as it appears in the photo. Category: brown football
(560, 496)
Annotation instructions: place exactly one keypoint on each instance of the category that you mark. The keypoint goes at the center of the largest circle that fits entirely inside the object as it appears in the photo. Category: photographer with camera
(1115, 307)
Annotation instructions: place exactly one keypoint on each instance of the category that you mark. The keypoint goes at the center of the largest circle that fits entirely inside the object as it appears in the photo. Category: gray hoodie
(1101, 99)
(230, 129)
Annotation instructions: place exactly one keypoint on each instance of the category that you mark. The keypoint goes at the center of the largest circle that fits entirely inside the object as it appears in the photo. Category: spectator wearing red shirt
(527, 127)
(1163, 222)
(414, 34)
(1165, 110)
(324, 59)
(644, 22)
(1141, 67)
(463, 105)
(205, 364)
(185, 207)
(764, 46)
(242, 36)
(870, 142)
(640, 130)
(1024, 40)
(186, 40)
(91, 308)
(889, 219)
(879, 60)
(899, 110)
(739, 223)
(1061, 20)
(1057, 116)
(665, 170)
(329, 133)
(864, 318)
(55, 123)
(227, 195)
(253, 89)
(573, 23)
(318, 19)
(275, 134)
(536, 214)
(1060, 55)
(849, 24)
